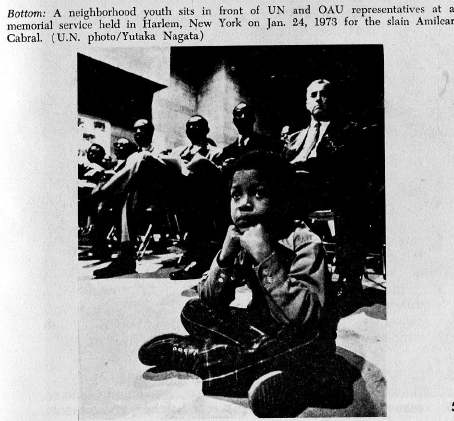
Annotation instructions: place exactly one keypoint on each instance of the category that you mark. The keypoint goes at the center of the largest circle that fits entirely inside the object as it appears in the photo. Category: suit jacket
(211, 152)
(256, 142)
(350, 158)
(336, 147)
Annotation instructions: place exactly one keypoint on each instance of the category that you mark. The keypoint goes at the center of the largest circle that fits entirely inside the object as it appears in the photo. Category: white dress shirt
(303, 141)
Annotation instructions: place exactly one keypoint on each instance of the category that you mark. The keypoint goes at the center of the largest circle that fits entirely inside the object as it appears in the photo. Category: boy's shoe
(273, 396)
(286, 395)
(171, 352)
(119, 267)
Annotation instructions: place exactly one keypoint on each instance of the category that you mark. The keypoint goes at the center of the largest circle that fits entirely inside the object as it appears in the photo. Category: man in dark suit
(322, 152)
(130, 191)
(328, 156)
(186, 180)
(200, 194)
(123, 148)
(101, 219)
(247, 140)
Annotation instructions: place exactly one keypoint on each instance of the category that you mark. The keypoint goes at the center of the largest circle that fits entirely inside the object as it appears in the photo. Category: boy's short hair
(276, 172)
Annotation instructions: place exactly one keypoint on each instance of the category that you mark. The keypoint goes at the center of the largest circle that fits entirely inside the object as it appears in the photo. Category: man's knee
(204, 166)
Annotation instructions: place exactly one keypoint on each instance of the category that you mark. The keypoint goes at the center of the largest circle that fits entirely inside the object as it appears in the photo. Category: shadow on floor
(166, 375)
(151, 266)
(372, 303)
(369, 388)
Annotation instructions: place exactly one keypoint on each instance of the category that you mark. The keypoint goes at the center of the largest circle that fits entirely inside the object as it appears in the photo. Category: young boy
(289, 327)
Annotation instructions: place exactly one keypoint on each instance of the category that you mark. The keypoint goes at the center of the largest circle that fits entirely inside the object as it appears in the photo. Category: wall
(87, 134)
(215, 101)
(211, 80)
(198, 81)
(150, 63)
(211, 93)
(172, 107)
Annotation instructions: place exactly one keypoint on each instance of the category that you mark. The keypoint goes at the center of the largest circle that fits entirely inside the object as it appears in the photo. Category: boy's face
(250, 202)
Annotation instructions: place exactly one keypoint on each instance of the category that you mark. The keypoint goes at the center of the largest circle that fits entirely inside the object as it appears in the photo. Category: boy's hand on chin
(257, 242)
(231, 246)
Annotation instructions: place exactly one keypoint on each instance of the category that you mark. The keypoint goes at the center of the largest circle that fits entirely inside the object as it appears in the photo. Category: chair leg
(144, 243)
(175, 226)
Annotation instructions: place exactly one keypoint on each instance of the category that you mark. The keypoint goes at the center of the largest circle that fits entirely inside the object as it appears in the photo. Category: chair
(172, 227)
(322, 222)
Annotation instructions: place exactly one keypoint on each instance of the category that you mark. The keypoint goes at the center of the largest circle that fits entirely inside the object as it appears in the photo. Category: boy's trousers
(240, 345)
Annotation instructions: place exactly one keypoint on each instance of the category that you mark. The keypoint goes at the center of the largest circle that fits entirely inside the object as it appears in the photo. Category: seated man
(187, 182)
(123, 148)
(319, 151)
(199, 197)
(201, 146)
(248, 140)
(131, 190)
(289, 327)
(92, 170)
(102, 217)
(333, 173)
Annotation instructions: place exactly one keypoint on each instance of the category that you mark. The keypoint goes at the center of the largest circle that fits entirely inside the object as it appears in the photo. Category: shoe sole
(269, 397)
(262, 394)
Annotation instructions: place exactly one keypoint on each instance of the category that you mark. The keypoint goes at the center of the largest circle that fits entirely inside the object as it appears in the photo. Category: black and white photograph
(263, 196)
(231, 232)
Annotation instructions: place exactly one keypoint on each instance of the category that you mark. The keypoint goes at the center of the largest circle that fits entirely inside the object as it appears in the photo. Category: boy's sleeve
(294, 280)
(218, 288)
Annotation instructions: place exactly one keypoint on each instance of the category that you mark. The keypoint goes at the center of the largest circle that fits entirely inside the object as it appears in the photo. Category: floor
(117, 315)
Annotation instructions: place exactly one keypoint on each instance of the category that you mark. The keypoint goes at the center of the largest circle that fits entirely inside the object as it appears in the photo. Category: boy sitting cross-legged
(287, 333)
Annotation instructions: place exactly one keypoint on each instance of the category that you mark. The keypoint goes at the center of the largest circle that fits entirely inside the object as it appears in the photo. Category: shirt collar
(243, 139)
(322, 123)
(148, 148)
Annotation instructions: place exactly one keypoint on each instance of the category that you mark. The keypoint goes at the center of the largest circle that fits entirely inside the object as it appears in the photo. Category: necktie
(312, 141)
(188, 154)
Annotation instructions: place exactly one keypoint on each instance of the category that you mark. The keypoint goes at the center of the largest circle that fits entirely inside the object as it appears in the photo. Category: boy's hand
(230, 247)
(257, 242)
